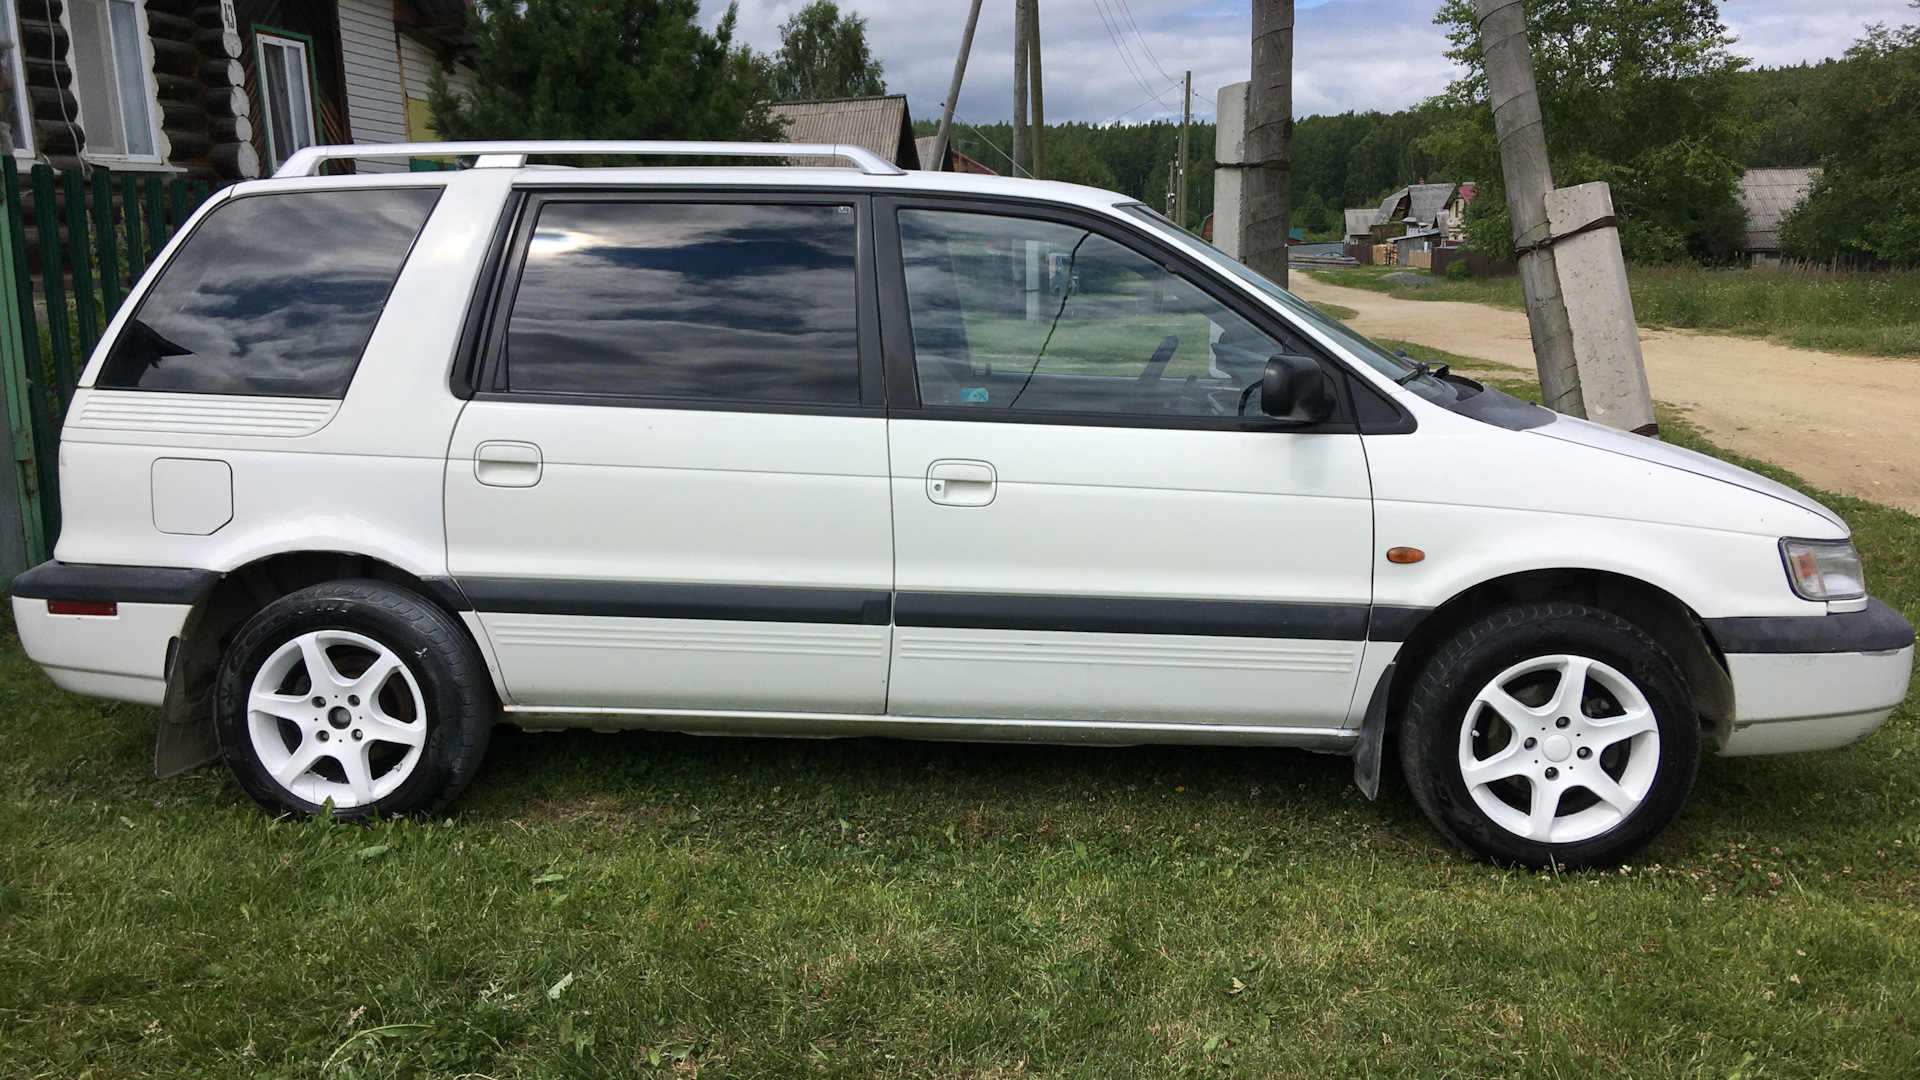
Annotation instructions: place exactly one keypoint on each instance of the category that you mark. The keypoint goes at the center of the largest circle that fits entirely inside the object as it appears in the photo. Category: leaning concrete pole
(1523, 163)
(945, 133)
(1269, 172)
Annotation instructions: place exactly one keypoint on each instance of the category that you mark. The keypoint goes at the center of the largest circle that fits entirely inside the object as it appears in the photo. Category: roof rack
(513, 155)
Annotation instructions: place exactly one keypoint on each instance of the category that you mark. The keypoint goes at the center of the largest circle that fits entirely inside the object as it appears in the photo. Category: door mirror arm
(1296, 388)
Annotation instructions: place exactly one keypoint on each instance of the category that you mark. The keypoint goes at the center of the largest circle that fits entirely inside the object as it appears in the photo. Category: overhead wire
(1114, 34)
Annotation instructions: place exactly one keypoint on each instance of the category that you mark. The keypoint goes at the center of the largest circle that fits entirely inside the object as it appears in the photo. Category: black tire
(455, 701)
(1433, 750)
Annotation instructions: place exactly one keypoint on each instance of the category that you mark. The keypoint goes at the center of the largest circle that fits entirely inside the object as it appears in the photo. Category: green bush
(1457, 270)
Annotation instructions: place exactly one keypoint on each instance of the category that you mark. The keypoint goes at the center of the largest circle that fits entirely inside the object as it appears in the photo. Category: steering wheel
(1156, 365)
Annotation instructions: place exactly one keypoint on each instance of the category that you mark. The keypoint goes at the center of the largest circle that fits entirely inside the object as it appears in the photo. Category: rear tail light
(82, 607)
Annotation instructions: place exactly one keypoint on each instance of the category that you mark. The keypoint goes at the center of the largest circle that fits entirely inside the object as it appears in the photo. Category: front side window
(287, 92)
(691, 301)
(272, 295)
(116, 98)
(13, 83)
(1021, 314)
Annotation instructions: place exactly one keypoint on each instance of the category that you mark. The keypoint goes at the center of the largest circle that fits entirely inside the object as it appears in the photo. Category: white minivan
(369, 463)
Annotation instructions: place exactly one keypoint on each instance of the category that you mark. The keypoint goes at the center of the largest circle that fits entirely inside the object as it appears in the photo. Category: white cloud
(1121, 59)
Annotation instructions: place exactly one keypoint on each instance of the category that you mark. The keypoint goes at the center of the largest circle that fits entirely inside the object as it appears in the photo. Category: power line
(1126, 57)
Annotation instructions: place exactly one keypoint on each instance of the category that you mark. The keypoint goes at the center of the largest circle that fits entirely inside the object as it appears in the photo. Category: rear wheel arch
(1661, 615)
(186, 715)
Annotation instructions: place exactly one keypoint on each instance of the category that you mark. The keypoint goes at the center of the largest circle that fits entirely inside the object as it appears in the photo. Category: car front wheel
(1551, 734)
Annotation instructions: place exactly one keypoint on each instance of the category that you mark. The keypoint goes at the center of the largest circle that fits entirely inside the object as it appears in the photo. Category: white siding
(376, 109)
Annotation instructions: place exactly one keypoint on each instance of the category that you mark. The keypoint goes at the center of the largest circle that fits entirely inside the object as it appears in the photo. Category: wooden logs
(230, 129)
(236, 160)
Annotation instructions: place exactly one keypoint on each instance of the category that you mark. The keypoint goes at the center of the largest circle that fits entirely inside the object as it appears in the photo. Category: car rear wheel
(1551, 733)
(358, 694)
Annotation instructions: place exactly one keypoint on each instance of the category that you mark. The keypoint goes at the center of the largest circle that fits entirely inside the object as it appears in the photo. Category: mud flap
(186, 739)
(1373, 735)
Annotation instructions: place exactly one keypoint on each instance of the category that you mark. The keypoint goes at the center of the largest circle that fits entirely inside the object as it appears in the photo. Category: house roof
(1427, 200)
(879, 124)
(1768, 195)
(1362, 220)
(956, 161)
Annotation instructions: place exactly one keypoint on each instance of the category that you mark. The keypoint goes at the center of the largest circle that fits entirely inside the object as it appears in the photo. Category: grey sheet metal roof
(879, 124)
(1426, 201)
(1362, 220)
(1768, 195)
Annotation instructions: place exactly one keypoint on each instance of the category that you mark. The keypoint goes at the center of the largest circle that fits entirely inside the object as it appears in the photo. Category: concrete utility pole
(940, 139)
(1524, 165)
(1038, 136)
(1180, 174)
(1022, 55)
(1269, 172)
(1585, 343)
(1230, 169)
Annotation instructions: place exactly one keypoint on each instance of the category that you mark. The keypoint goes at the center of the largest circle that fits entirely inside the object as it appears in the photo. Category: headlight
(1823, 569)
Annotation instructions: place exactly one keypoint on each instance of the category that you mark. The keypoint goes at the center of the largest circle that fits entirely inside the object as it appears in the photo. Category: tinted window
(688, 300)
(272, 294)
(1014, 313)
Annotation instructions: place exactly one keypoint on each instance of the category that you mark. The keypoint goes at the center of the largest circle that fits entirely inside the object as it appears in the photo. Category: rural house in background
(1768, 195)
(1407, 225)
(883, 125)
(219, 90)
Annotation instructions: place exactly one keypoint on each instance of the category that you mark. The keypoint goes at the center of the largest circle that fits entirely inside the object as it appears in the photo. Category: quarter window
(288, 94)
(116, 98)
(1020, 314)
(700, 301)
(241, 310)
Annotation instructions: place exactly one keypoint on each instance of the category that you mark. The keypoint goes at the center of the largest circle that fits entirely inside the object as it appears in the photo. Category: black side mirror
(1295, 388)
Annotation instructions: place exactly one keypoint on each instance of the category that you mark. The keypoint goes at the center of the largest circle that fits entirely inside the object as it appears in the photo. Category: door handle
(952, 482)
(507, 464)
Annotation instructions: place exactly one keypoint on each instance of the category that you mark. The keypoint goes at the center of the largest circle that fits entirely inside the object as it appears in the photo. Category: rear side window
(702, 301)
(273, 295)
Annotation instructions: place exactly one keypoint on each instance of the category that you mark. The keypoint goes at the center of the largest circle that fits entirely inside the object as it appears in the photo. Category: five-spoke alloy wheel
(1553, 733)
(358, 694)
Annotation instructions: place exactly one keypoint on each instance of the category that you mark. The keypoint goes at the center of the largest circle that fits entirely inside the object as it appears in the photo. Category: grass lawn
(1870, 314)
(642, 905)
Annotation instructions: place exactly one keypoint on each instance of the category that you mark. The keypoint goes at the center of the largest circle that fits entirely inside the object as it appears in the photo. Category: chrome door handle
(507, 464)
(953, 482)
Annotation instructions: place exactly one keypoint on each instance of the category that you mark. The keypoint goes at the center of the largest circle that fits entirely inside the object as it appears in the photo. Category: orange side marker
(1405, 555)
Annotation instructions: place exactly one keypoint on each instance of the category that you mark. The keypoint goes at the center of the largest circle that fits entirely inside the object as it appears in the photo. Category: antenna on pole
(941, 138)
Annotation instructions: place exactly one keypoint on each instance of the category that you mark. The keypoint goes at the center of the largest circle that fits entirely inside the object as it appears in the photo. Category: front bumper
(1813, 683)
(122, 656)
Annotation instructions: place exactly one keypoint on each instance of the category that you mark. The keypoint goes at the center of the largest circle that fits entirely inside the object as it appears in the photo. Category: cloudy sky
(1109, 60)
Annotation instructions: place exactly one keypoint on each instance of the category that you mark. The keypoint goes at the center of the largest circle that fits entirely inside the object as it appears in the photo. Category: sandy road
(1849, 424)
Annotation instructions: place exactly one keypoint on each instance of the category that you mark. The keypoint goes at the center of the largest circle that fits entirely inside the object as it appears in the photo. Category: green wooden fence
(71, 249)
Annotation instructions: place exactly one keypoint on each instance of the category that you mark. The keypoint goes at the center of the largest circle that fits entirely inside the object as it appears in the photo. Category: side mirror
(1295, 388)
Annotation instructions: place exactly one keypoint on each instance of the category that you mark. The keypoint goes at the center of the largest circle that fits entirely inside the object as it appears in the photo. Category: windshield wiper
(1420, 367)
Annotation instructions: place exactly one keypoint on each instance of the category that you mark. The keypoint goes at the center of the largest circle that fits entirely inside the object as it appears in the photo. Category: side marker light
(1405, 555)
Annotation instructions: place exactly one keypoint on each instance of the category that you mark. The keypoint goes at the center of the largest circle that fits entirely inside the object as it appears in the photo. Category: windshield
(1397, 368)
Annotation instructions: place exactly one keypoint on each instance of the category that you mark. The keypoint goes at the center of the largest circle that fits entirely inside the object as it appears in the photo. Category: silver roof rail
(513, 155)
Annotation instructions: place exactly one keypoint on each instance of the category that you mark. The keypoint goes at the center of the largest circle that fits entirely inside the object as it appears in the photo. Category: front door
(671, 492)
(1092, 521)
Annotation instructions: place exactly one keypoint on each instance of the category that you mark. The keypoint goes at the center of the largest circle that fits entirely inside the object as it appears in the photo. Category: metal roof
(1361, 221)
(1768, 195)
(879, 124)
(1426, 202)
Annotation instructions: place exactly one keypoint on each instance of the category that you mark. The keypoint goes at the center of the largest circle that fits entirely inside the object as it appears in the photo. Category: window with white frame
(14, 108)
(286, 90)
(112, 81)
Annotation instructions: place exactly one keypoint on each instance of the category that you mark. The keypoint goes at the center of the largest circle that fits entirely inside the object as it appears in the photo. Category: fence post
(201, 193)
(26, 424)
(130, 218)
(156, 219)
(46, 228)
(177, 199)
(105, 249)
(82, 265)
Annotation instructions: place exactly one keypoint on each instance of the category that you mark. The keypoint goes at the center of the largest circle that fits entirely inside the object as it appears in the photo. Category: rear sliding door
(670, 491)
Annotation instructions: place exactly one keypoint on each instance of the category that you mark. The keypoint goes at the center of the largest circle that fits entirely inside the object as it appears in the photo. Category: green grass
(1867, 314)
(1338, 311)
(644, 904)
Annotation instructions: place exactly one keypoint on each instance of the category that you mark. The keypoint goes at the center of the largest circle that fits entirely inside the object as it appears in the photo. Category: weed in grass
(647, 904)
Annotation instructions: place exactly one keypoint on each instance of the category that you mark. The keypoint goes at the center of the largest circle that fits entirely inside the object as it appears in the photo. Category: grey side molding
(1373, 737)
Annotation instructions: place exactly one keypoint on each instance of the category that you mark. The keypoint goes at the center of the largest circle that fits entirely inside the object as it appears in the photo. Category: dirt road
(1849, 424)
